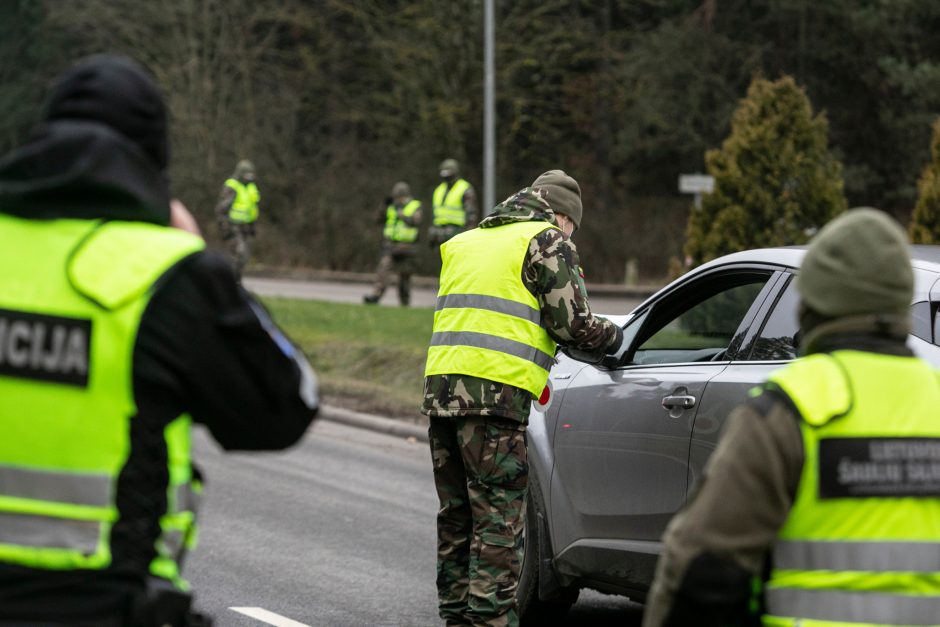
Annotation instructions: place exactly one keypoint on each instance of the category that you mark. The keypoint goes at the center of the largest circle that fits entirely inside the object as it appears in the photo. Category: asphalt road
(420, 296)
(337, 531)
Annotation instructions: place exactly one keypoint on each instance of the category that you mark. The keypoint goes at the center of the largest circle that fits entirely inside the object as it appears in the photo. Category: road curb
(371, 422)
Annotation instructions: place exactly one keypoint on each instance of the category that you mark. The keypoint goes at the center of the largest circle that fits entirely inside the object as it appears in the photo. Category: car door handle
(683, 401)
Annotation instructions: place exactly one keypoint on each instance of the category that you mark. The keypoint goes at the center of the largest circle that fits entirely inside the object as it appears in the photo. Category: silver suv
(614, 446)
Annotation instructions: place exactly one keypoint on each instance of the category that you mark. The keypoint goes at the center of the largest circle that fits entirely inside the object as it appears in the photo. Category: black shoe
(370, 299)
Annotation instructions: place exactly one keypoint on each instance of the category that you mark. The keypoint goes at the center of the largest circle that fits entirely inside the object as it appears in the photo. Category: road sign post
(697, 184)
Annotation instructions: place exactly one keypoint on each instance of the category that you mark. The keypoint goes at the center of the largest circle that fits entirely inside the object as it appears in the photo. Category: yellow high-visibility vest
(487, 323)
(861, 545)
(448, 204)
(245, 206)
(397, 230)
(72, 293)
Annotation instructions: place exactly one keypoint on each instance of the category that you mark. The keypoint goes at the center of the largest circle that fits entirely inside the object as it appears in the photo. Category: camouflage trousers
(390, 263)
(240, 245)
(481, 474)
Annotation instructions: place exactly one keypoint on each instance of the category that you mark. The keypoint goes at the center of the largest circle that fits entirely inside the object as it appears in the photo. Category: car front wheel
(532, 609)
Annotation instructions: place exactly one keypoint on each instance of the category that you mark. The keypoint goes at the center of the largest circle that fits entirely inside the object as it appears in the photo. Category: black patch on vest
(44, 348)
(879, 467)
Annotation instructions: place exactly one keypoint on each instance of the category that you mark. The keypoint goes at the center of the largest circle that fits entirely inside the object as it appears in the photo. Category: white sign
(696, 184)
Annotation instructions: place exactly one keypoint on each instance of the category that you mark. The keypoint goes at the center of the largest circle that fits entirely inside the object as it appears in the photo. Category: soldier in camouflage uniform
(401, 217)
(237, 212)
(477, 424)
(454, 205)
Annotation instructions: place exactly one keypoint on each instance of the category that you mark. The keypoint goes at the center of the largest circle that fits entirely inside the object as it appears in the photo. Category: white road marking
(268, 617)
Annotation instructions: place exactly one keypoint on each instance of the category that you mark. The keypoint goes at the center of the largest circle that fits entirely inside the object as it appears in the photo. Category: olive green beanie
(858, 264)
(562, 193)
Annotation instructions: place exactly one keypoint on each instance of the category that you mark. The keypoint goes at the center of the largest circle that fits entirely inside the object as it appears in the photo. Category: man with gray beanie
(820, 504)
(509, 291)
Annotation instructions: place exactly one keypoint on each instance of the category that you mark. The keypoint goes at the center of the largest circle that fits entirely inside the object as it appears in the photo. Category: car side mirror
(593, 358)
(602, 360)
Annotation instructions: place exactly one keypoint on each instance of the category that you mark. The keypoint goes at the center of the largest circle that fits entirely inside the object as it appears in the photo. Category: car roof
(926, 257)
(791, 256)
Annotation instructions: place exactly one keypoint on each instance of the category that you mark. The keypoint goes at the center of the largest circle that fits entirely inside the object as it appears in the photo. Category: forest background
(335, 100)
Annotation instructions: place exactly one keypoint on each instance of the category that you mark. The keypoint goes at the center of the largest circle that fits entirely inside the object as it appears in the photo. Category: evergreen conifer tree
(776, 182)
(925, 222)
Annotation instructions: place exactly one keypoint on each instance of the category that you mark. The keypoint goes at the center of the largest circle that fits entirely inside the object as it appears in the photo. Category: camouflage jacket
(551, 271)
(224, 204)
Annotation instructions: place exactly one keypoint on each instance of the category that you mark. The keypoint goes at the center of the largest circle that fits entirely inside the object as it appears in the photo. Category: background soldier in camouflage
(477, 428)
(238, 234)
(401, 216)
(450, 176)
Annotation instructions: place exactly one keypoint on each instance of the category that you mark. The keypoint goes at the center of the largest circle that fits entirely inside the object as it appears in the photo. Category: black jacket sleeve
(206, 347)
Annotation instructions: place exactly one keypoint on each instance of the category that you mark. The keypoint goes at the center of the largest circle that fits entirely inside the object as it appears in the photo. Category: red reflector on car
(546, 394)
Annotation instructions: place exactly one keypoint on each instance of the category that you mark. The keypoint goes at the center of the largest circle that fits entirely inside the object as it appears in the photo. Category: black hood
(117, 92)
(101, 151)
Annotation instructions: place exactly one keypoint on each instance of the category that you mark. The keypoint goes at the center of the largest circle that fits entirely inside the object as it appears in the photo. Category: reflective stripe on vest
(860, 544)
(855, 608)
(491, 303)
(178, 532)
(493, 343)
(448, 204)
(876, 557)
(487, 323)
(245, 206)
(398, 230)
(92, 489)
(26, 530)
(66, 431)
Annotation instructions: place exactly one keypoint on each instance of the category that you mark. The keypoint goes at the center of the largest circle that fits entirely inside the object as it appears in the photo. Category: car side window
(779, 338)
(700, 325)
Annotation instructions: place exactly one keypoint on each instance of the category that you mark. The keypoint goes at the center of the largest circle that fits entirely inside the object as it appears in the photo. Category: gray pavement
(340, 529)
(337, 531)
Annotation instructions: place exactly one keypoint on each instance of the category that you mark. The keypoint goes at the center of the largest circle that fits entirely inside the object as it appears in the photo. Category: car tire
(532, 609)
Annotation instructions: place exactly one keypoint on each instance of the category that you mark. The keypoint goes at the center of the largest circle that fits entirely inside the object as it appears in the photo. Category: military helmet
(449, 167)
(244, 168)
(858, 264)
(401, 190)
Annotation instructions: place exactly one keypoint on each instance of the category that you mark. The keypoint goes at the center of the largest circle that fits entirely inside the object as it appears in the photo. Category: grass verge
(369, 359)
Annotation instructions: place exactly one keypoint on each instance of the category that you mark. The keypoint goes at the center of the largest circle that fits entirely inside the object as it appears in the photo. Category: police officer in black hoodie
(87, 254)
